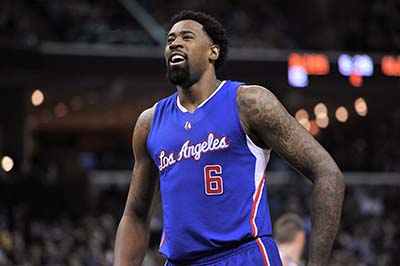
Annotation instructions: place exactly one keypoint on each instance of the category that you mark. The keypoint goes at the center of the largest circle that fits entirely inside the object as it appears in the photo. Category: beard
(178, 75)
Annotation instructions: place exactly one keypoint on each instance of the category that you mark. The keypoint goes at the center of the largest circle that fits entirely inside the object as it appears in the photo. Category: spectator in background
(290, 236)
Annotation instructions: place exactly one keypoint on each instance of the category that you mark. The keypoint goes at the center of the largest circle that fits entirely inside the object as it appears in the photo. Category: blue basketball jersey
(212, 180)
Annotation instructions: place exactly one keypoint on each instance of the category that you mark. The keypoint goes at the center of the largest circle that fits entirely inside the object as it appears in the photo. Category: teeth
(174, 58)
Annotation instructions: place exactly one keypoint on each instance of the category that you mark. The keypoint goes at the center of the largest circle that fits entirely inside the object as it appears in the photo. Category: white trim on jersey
(262, 158)
(254, 208)
(183, 109)
(263, 252)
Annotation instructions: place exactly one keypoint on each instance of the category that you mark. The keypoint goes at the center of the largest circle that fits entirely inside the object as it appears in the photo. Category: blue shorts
(261, 251)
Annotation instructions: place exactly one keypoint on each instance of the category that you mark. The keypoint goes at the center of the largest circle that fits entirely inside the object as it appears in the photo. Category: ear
(300, 239)
(214, 52)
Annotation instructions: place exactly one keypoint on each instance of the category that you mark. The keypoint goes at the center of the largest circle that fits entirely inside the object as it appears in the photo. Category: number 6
(213, 184)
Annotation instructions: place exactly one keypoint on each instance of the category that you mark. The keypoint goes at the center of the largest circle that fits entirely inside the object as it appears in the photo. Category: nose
(177, 43)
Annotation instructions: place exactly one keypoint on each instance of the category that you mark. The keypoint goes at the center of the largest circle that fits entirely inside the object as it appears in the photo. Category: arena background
(74, 76)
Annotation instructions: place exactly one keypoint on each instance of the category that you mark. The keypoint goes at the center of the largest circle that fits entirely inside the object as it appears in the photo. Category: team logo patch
(188, 125)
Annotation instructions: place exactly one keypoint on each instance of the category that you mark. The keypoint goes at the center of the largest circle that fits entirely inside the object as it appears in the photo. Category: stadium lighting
(7, 163)
(341, 114)
(363, 65)
(356, 80)
(301, 114)
(322, 121)
(314, 64)
(314, 129)
(300, 66)
(320, 110)
(391, 66)
(345, 64)
(359, 64)
(298, 76)
(37, 97)
(361, 107)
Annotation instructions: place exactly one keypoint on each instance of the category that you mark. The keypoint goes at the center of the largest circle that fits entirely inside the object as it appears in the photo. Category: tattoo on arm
(262, 113)
(265, 115)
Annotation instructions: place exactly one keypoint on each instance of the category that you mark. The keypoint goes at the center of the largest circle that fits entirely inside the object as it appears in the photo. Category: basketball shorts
(259, 252)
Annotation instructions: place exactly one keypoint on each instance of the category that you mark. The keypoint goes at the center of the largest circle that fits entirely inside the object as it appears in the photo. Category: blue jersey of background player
(196, 47)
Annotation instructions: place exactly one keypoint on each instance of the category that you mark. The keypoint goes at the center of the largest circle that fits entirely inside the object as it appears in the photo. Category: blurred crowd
(87, 241)
(368, 234)
(339, 25)
(366, 145)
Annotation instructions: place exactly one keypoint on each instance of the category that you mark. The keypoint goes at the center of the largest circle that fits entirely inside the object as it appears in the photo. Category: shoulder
(260, 109)
(254, 101)
(251, 92)
(145, 121)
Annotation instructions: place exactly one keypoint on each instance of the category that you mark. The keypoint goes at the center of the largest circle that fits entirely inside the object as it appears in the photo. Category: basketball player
(290, 236)
(206, 148)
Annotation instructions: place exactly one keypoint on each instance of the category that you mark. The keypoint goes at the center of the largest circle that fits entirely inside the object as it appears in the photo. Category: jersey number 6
(212, 180)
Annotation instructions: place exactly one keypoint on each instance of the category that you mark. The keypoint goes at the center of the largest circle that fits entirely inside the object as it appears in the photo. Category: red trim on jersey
(164, 236)
(263, 251)
(255, 207)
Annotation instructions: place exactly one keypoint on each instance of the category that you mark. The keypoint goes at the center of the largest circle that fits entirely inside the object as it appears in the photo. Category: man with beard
(206, 148)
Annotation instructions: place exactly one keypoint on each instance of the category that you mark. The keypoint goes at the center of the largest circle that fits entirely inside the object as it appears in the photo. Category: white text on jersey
(195, 151)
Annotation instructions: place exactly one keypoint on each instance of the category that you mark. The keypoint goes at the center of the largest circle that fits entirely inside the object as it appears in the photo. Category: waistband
(222, 254)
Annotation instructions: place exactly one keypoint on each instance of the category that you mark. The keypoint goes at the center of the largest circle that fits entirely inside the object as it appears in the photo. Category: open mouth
(176, 59)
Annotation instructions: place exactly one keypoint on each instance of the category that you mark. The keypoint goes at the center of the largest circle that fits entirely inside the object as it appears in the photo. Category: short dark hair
(287, 226)
(213, 29)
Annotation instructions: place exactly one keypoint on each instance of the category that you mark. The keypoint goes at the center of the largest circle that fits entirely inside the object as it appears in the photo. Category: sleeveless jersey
(212, 180)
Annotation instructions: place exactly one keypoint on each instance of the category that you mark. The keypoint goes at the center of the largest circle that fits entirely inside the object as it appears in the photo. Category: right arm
(132, 237)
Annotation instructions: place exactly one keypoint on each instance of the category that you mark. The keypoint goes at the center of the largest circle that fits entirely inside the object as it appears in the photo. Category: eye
(170, 40)
(187, 37)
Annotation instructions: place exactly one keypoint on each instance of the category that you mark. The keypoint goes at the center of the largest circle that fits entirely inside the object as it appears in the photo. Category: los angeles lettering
(195, 151)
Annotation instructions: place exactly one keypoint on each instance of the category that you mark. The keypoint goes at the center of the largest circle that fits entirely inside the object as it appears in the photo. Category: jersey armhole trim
(155, 106)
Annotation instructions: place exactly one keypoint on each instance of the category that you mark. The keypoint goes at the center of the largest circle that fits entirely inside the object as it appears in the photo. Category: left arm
(265, 119)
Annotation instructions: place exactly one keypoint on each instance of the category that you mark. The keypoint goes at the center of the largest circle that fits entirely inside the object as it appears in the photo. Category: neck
(192, 96)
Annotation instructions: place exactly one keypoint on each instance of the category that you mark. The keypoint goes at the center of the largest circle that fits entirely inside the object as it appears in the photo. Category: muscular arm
(268, 123)
(133, 231)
